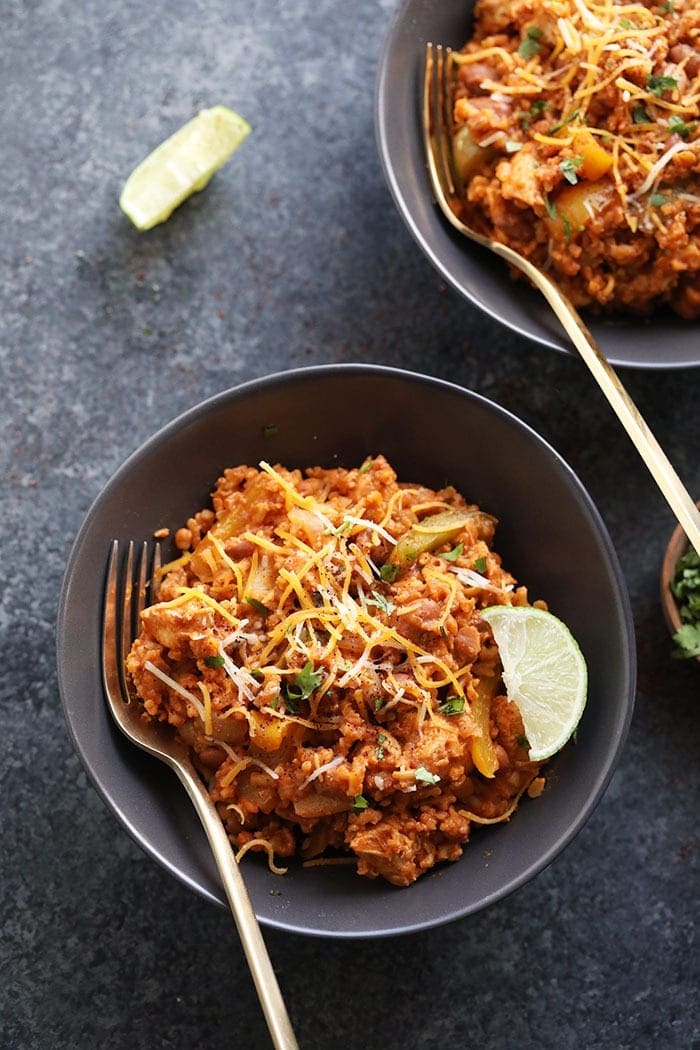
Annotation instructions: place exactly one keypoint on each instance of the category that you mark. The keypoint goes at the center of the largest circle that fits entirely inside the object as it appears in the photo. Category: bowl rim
(599, 780)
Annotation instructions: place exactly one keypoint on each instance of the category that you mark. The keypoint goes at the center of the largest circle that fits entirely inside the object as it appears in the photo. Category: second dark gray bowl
(663, 341)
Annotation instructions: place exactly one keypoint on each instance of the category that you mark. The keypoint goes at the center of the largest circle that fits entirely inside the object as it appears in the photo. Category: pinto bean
(238, 548)
(502, 756)
(211, 757)
(183, 539)
(472, 74)
(467, 644)
(679, 52)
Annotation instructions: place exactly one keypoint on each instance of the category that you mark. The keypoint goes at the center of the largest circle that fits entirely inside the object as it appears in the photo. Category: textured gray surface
(293, 255)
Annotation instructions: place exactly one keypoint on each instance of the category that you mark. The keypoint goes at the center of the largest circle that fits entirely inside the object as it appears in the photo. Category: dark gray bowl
(550, 535)
(664, 341)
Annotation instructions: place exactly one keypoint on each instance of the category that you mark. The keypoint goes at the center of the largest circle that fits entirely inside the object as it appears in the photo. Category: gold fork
(126, 595)
(446, 186)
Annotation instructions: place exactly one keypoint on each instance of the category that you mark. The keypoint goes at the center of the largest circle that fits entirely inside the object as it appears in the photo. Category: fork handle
(264, 978)
(627, 412)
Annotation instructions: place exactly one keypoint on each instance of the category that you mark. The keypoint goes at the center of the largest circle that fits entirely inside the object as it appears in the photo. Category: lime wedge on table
(181, 165)
(544, 673)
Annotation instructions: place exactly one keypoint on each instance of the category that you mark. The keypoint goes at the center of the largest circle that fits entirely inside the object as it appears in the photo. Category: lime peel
(182, 165)
(544, 673)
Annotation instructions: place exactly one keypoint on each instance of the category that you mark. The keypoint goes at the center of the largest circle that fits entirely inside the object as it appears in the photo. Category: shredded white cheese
(243, 680)
(325, 768)
(658, 167)
(177, 688)
(470, 578)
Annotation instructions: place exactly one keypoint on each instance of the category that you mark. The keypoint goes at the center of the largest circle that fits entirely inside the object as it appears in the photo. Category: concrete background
(294, 255)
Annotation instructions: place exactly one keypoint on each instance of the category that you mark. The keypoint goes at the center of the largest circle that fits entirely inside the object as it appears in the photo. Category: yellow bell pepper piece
(482, 749)
(596, 160)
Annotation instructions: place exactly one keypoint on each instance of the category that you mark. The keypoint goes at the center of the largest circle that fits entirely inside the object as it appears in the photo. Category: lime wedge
(544, 673)
(181, 165)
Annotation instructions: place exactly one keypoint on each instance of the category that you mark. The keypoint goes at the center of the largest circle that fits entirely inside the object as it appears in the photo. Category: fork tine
(147, 586)
(140, 603)
(126, 636)
(443, 118)
(154, 581)
(434, 121)
(139, 591)
(456, 183)
(428, 110)
(438, 131)
(110, 649)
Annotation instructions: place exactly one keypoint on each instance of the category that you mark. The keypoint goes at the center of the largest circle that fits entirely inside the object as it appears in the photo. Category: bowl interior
(663, 341)
(550, 536)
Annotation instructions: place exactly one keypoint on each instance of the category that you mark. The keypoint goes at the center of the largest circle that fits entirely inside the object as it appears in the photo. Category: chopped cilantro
(687, 639)
(658, 85)
(686, 582)
(258, 606)
(389, 572)
(480, 565)
(685, 587)
(269, 430)
(567, 230)
(257, 674)
(343, 527)
(303, 684)
(657, 200)
(425, 776)
(640, 115)
(454, 553)
(454, 705)
(567, 120)
(535, 111)
(377, 702)
(381, 602)
(381, 737)
(678, 126)
(530, 44)
(214, 661)
(360, 802)
(569, 166)
(551, 208)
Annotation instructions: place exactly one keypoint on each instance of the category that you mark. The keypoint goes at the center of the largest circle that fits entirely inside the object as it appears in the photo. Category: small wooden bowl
(677, 546)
